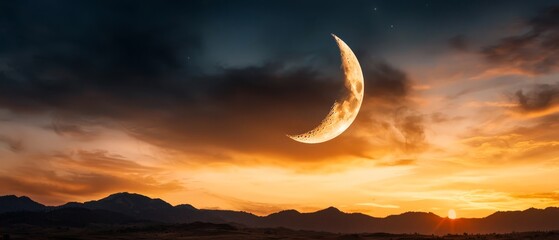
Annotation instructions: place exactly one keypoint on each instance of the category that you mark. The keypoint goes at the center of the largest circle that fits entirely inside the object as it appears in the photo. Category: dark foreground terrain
(222, 231)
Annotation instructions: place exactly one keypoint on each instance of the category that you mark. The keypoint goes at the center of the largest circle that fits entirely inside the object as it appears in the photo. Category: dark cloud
(536, 51)
(127, 66)
(411, 126)
(386, 82)
(540, 97)
(252, 109)
(387, 107)
(67, 51)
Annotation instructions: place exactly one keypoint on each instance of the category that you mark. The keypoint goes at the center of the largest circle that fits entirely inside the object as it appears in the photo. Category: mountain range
(123, 208)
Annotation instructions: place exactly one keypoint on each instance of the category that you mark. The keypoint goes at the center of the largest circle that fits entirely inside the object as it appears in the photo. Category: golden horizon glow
(451, 214)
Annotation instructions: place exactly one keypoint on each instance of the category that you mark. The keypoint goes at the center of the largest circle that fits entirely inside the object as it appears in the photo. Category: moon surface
(345, 110)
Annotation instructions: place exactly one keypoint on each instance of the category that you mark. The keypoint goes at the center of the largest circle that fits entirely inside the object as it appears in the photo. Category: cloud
(540, 98)
(386, 82)
(388, 118)
(60, 177)
(537, 141)
(136, 77)
(534, 52)
(148, 74)
(124, 54)
(371, 204)
(397, 163)
(250, 111)
(552, 197)
(439, 117)
(101, 161)
(411, 126)
(81, 130)
(12, 144)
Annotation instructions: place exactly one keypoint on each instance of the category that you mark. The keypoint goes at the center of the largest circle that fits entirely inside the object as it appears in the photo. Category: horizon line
(322, 209)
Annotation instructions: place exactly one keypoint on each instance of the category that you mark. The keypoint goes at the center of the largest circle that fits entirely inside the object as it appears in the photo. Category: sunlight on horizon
(451, 214)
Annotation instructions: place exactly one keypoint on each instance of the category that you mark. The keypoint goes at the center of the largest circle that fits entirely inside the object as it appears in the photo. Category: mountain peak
(133, 197)
(125, 194)
(285, 213)
(330, 210)
(289, 211)
(14, 197)
(12, 203)
(9, 196)
(186, 206)
(125, 201)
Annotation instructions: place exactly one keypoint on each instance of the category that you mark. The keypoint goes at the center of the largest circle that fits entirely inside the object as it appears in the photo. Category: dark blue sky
(203, 35)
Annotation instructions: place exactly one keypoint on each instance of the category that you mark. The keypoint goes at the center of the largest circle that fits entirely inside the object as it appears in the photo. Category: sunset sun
(451, 214)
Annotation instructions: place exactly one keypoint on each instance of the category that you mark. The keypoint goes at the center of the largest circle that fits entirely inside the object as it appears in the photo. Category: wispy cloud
(371, 204)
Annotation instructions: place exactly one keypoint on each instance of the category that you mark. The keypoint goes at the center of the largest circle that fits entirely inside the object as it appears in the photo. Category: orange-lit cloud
(55, 178)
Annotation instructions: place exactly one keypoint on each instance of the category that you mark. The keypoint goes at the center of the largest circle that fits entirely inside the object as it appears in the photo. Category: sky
(192, 102)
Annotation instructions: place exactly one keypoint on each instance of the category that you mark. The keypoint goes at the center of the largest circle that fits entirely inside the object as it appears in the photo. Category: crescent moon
(345, 110)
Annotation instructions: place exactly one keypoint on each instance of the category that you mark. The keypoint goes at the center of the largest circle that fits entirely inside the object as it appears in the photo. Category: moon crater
(345, 110)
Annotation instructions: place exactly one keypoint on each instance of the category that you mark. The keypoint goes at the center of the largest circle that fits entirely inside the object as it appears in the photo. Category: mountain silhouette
(146, 208)
(330, 218)
(11, 203)
(121, 208)
(136, 205)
